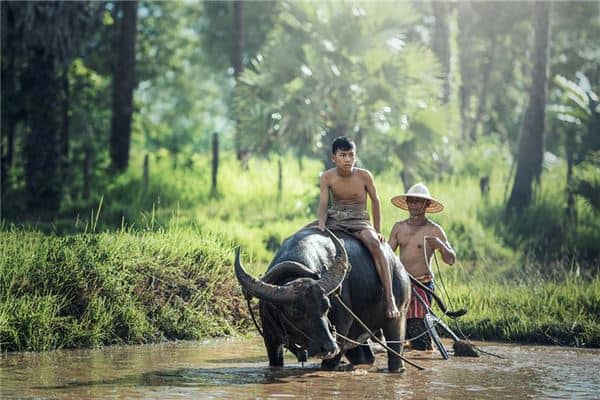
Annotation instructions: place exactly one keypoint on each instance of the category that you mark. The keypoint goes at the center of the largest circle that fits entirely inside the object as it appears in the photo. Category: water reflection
(238, 369)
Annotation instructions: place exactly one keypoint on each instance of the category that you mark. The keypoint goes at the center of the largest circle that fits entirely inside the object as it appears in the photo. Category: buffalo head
(298, 307)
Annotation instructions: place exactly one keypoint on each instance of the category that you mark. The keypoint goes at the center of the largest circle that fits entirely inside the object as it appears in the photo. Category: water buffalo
(299, 311)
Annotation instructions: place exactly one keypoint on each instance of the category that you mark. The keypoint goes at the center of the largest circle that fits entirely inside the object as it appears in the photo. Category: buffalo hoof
(330, 364)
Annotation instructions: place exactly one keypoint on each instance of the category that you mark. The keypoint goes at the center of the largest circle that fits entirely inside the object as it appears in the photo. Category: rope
(375, 338)
(253, 318)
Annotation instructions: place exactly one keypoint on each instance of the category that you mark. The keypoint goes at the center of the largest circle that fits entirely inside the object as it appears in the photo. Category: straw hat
(421, 191)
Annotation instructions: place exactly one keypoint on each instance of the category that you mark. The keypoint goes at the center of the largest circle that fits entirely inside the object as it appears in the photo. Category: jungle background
(143, 141)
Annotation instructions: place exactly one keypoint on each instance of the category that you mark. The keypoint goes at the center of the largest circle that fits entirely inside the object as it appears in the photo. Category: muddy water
(237, 368)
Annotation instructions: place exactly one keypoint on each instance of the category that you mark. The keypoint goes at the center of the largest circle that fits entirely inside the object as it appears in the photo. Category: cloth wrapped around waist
(348, 220)
(415, 308)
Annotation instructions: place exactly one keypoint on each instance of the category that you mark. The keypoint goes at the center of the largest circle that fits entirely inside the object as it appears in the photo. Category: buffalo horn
(334, 276)
(260, 289)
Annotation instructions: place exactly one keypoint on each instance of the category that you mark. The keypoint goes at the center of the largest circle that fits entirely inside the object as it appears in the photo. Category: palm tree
(531, 140)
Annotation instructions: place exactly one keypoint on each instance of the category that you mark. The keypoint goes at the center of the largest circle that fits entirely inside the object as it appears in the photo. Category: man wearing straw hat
(418, 238)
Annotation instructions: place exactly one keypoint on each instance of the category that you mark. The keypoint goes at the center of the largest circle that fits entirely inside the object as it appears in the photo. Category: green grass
(122, 287)
(135, 266)
(526, 302)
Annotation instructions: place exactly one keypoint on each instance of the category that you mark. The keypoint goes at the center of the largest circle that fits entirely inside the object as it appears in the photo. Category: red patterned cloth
(415, 308)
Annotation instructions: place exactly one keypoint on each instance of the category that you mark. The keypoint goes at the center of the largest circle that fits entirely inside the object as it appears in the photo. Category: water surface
(238, 368)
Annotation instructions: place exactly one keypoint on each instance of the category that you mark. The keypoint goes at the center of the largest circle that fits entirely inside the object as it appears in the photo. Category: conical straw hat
(421, 191)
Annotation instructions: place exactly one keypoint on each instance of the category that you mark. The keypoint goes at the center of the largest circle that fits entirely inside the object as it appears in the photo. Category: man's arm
(393, 240)
(375, 205)
(440, 242)
(323, 200)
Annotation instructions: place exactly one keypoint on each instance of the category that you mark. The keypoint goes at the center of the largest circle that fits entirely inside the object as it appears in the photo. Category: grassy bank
(142, 264)
(555, 304)
(123, 287)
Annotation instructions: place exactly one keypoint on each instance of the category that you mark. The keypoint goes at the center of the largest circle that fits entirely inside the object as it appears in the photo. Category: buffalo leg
(393, 331)
(360, 355)
(274, 351)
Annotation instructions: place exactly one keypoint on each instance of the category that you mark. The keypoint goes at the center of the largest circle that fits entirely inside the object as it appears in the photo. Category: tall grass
(122, 287)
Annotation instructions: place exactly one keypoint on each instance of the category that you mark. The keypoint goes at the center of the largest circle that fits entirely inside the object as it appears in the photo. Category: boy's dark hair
(342, 143)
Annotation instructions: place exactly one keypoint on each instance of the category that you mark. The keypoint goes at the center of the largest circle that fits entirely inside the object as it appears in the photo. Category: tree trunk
(465, 57)
(86, 191)
(146, 175)
(441, 43)
(237, 56)
(215, 165)
(485, 83)
(123, 86)
(237, 61)
(64, 133)
(43, 183)
(531, 139)
(8, 116)
(569, 150)
(9, 123)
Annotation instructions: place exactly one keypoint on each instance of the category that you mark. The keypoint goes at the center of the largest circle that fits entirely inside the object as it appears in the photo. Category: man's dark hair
(342, 143)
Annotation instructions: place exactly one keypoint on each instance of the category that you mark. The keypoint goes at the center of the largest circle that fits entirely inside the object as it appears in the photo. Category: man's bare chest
(412, 237)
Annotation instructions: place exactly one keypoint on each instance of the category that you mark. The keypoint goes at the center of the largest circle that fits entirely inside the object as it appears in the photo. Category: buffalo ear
(288, 269)
(334, 276)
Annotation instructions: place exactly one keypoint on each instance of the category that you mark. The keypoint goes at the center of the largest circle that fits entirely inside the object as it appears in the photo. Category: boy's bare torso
(348, 192)
(410, 239)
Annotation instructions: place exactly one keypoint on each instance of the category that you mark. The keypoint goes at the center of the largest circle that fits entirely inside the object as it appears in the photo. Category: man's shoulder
(400, 225)
(434, 227)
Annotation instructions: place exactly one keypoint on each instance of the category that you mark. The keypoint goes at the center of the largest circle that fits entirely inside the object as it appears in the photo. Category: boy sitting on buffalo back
(349, 188)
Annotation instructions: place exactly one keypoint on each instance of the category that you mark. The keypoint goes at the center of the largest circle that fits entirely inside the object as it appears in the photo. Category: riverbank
(129, 287)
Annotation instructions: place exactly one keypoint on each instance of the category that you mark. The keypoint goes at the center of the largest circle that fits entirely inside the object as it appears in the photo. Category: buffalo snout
(328, 350)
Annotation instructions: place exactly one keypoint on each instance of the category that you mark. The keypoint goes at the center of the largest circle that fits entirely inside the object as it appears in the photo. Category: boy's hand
(380, 237)
(321, 227)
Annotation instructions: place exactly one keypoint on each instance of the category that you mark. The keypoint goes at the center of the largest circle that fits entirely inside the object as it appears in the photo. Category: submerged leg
(394, 331)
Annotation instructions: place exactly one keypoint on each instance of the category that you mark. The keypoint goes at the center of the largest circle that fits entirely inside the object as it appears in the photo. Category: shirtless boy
(349, 188)
(418, 237)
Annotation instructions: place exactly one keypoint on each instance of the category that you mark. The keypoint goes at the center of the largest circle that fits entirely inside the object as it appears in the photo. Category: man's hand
(433, 242)
(380, 237)
(321, 227)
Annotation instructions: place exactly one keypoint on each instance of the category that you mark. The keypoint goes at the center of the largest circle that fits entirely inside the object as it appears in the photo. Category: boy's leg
(370, 239)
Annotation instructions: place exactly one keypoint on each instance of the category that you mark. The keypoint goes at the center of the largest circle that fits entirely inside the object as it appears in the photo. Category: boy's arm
(323, 200)
(440, 242)
(375, 205)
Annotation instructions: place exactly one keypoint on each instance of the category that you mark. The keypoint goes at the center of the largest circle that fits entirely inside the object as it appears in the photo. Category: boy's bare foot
(392, 310)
